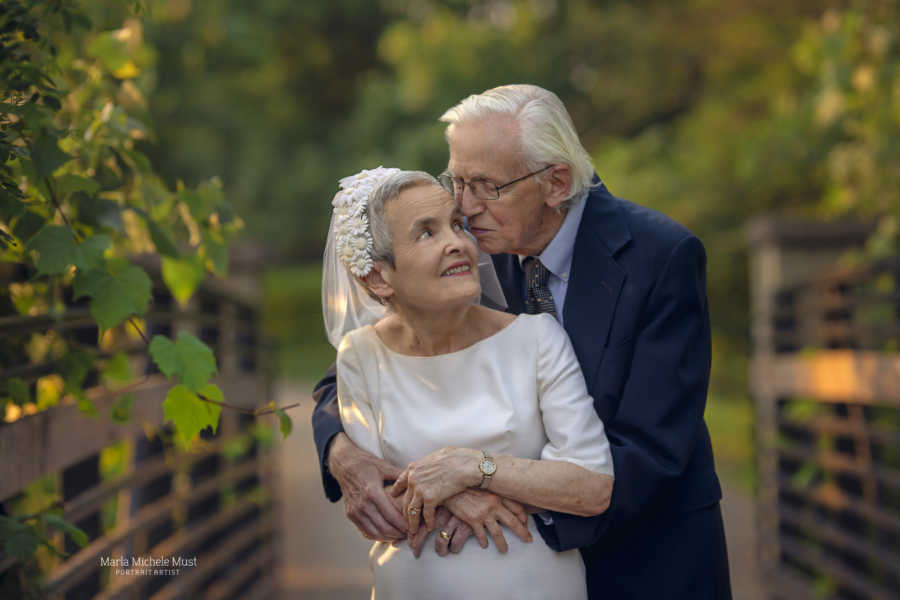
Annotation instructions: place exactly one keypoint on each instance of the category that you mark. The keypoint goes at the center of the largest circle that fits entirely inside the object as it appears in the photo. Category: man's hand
(480, 512)
(361, 477)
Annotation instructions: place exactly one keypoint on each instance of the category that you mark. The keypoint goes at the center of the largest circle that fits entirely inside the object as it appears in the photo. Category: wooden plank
(835, 376)
(64, 575)
(834, 499)
(51, 440)
(823, 530)
(836, 461)
(208, 563)
(847, 577)
(838, 426)
(262, 559)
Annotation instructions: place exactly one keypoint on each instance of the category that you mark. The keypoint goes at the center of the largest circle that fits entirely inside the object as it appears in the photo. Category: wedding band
(414, 511)
(445, 535)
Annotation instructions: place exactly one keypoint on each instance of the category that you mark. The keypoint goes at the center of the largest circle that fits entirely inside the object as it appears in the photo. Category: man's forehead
(484, 149)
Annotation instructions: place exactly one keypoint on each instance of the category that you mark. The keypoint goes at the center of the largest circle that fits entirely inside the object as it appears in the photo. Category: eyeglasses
(481, 188)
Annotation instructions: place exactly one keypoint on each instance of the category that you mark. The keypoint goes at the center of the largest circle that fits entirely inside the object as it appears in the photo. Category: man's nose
(469, 205)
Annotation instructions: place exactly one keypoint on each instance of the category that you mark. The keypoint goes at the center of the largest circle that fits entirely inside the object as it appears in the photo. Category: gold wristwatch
(488, 467)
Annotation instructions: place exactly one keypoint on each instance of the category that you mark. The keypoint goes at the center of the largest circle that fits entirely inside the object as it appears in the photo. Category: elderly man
(628, 284)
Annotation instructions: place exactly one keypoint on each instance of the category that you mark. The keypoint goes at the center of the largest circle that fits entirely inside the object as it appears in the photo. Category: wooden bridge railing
(210, 512)
(826, 380)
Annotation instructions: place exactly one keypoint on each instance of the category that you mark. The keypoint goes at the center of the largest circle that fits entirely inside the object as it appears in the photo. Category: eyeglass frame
(464, 183)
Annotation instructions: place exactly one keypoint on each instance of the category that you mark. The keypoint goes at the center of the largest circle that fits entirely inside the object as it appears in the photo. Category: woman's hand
(428, 482)
(480, 512)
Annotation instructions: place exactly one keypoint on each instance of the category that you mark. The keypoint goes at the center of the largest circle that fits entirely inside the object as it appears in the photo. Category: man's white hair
(546, 132)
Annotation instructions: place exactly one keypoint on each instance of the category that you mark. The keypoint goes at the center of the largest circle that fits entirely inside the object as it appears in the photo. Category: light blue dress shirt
(557, 256)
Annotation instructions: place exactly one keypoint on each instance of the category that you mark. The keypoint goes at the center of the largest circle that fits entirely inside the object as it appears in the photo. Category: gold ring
(413, 511)
(445, 535)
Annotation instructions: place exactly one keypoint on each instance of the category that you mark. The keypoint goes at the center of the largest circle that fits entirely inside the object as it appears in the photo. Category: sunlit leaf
(284, 422)
(189, 413)
(182, 276)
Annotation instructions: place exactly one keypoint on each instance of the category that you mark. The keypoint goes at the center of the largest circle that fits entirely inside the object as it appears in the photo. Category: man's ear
(559, 184)
(377, 281)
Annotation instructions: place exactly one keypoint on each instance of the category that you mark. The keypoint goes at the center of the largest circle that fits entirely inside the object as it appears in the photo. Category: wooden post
(782, 253)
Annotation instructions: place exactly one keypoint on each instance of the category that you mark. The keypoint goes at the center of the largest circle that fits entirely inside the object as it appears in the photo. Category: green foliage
(189, 413)
(284, 423)
(118, 291)
(188, 358)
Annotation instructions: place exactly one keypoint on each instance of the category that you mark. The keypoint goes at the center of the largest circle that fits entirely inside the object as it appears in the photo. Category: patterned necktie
(537, 294)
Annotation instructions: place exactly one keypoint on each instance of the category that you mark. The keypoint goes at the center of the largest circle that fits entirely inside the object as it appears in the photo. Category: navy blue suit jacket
(637, 315)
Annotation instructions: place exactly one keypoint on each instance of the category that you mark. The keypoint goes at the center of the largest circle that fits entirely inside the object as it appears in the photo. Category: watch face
(488, 467)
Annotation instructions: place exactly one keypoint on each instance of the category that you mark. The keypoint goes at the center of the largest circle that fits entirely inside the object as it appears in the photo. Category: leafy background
(710, 111)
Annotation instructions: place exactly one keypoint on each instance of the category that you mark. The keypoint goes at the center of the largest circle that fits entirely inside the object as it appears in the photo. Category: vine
(78, 199)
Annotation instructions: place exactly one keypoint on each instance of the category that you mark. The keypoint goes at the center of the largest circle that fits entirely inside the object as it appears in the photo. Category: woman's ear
(377, 281)
(559, 184)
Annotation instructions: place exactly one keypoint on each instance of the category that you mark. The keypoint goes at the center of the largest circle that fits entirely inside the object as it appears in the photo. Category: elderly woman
(461, 395)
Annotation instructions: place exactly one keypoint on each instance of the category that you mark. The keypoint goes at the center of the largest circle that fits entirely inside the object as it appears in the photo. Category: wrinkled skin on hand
(362, 477)
(428, 482)
(481, 512)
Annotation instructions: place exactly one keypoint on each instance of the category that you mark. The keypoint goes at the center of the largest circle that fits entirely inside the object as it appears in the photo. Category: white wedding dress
(519, 392)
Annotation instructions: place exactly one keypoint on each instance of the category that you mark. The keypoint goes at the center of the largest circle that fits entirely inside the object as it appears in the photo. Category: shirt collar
(557, 256)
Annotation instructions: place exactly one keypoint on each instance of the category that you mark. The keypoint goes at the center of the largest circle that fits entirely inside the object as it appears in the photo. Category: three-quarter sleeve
(354, 401)
(575, 433)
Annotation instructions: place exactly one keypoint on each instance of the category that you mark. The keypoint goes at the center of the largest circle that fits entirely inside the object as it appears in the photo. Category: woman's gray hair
(546, 132)
(387, 190)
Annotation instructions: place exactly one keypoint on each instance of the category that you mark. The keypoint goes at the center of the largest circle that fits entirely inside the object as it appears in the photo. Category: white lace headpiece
(353, 237)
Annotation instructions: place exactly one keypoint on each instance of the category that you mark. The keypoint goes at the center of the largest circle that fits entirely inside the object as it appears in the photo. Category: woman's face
(435, 260)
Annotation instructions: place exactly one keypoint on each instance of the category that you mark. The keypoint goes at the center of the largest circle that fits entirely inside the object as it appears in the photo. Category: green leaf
(162, 349)
(284, 422)
(57, 522)
(89, 253)
(189, 413)
(120, 411)
(28, 224)
(217, 254)
(55, 247)
(18, 390)
(46, 155)
(117, 370)
(182, 276)
(197, 361)
(68, 184)
(86, 406)
(110, 50)
(19, 540)
(116, 294)
(75, 366)
(162, 240)
(188, 358)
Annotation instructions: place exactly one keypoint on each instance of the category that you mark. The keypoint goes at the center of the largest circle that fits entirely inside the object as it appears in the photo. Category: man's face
(517, 222)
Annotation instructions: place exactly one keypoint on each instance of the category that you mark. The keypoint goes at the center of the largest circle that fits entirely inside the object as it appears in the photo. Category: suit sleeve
(653, 432)
(326, 422)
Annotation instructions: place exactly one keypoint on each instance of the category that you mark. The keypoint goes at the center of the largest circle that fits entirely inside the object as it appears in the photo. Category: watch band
(488, 467)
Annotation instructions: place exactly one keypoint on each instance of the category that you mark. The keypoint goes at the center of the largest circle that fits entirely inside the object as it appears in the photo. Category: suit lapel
(596, 279)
